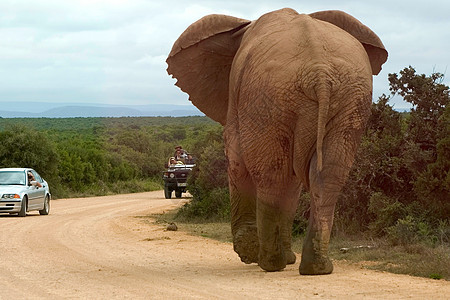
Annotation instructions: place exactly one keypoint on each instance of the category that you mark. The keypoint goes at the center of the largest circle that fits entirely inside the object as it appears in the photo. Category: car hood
(12, 189)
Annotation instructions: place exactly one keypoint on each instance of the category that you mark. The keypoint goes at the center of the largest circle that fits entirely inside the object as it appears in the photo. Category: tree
(429, 98)
(433, 185)
(428, 136)
(402, 166)
(23, 146)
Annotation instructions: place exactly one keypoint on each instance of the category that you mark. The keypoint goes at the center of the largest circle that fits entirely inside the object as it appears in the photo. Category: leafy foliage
(208, 182)
(22, 146)
(400, 183)
(429, 98)
(97, 156)
(433, 185)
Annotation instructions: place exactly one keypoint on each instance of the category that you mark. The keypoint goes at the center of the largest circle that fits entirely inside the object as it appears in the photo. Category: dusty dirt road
(99, 248)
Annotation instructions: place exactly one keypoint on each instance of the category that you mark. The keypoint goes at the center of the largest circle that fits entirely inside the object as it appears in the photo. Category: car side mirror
(166, 165)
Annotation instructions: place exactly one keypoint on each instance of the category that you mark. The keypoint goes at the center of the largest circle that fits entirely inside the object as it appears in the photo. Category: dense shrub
(433, 185)
(24, 147)
(409, 230)
(208, 182)
(400, 182)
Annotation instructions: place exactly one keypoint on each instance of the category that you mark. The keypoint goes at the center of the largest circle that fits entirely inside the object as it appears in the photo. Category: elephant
(293, 92)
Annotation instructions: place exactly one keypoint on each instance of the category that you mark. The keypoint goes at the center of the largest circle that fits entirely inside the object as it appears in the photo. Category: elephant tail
(323, 97)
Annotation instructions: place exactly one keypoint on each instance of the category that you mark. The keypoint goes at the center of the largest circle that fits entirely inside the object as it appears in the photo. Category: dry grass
(416, 259)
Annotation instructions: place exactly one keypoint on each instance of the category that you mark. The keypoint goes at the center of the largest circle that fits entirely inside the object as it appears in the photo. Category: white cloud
(115, 50)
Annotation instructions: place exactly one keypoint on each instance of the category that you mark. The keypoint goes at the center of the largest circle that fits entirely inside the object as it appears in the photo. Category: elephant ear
(371, 42)
(201, 61)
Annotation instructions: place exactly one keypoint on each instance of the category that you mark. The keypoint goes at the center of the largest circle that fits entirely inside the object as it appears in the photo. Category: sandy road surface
(96, 248)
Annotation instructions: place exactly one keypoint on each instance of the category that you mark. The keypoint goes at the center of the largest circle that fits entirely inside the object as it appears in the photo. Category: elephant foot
(272, 263)
(318, 266)
(246, 245)
(290, 257)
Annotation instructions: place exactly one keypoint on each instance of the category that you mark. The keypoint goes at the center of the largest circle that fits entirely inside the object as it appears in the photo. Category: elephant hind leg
(243, 223)
(275, 226)
(243, 210)
(282, 243)
(272, 256)
(262, 233)
(246, 245)
(325, 187)
(275, 239)
(315, 260)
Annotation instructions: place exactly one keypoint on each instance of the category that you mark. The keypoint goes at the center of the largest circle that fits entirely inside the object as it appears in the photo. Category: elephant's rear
(292, 84)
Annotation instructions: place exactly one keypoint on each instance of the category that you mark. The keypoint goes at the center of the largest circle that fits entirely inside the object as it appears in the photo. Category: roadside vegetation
(99, 156)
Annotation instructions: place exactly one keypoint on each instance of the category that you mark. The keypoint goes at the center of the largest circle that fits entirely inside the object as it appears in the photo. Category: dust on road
(99, 248)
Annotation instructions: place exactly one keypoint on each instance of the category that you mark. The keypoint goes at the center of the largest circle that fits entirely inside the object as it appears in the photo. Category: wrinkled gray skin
(294, 93)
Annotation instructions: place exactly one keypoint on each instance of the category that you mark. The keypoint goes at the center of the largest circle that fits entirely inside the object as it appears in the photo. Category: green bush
(208, 183)
(386, 210)
(409, 231)
(443, 231)
(433, 185)
(211, 206)
(24, 147)
(402, 166)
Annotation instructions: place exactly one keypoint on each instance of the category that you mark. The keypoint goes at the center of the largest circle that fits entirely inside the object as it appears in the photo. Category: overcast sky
(114, 51)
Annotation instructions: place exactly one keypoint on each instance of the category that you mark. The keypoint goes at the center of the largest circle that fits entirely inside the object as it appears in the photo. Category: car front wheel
(23, 208)
(46, 208)
(167, 192)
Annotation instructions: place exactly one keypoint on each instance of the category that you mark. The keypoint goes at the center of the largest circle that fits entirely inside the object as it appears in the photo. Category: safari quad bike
(175, 179)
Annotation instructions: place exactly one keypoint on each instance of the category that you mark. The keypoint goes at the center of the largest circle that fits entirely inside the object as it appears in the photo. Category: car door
(36, 194)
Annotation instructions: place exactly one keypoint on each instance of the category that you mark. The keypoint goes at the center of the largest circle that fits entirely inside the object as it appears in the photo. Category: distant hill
(72, 110)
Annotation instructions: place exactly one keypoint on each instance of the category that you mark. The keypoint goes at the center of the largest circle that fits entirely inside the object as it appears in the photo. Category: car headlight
(10, 196)
(172, 175)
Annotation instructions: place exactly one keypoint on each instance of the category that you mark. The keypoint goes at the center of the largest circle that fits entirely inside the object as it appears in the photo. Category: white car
(23, 190)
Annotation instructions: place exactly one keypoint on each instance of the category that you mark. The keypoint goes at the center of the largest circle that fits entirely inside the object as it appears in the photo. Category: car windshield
(12, 178)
